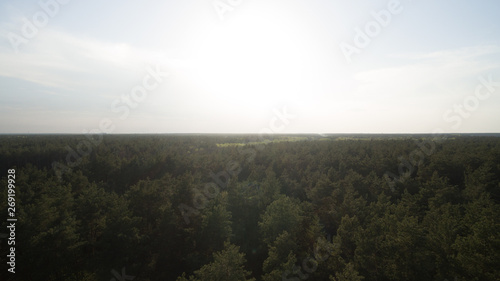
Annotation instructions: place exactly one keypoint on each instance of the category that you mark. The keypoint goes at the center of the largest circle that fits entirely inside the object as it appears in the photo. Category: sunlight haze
(235, 66)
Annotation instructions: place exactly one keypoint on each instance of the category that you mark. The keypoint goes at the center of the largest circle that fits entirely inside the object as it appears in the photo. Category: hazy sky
(249, 66)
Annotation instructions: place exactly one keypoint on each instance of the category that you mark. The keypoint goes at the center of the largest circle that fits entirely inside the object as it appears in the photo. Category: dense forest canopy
(243, 207)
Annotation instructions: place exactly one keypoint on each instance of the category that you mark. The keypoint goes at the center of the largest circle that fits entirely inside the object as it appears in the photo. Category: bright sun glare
(254, 61)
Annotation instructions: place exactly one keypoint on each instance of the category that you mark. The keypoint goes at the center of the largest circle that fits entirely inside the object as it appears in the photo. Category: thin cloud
(60, 60)
(466, 52)
(426, 74)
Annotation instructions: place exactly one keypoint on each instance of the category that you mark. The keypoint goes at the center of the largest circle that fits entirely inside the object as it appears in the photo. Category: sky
(249, 66)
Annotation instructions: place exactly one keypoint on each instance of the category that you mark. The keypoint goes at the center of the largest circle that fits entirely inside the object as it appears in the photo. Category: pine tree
(228, 265)
(284, 214)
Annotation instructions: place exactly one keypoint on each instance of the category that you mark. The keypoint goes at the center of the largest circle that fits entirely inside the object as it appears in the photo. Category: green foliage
(284, 271)
(239, 208)
(280, 249)
(478, 250)
(348, 274)
(284, 214)
(228, 265)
